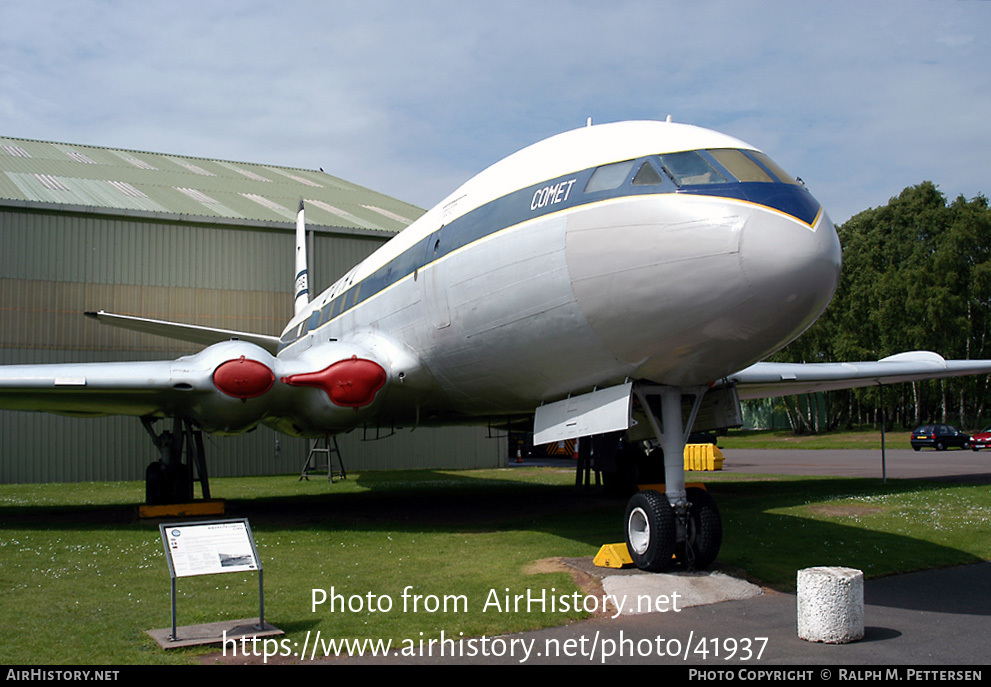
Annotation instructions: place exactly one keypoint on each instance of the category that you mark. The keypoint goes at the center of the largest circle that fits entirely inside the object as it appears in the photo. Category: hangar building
(194, 240)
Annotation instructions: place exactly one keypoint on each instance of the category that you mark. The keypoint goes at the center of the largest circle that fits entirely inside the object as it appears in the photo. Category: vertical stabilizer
(301, 293)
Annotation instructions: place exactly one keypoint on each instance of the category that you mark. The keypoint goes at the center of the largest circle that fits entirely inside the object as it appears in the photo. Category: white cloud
(859, 99)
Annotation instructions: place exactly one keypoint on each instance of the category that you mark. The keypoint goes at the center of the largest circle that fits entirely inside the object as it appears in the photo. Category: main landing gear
(681, 524)
(170, 480)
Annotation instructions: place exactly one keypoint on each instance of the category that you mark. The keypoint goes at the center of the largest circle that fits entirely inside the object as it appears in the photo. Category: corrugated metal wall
(54, 266)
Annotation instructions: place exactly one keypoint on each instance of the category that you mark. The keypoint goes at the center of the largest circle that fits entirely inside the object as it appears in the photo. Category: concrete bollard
(830, 605)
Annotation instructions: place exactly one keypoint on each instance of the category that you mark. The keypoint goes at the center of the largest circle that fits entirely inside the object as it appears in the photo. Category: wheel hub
(639, 530)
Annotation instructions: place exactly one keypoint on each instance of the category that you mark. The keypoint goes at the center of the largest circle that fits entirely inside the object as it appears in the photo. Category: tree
(916, 276)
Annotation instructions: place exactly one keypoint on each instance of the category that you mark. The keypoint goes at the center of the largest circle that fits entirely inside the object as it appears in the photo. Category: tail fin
(301, 294)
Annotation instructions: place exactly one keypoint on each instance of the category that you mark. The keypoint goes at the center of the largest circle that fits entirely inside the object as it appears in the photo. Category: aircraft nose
(792, 270)
(710, 288)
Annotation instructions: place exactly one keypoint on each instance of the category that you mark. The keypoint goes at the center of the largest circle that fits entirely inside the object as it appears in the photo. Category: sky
(411, 98)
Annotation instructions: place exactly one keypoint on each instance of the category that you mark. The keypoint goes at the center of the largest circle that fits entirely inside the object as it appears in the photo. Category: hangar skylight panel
(247, 173)
(195, 169)
(15, 151)
(127, 189)
(76, 156)
(343, 214)
(386, 213)
(294, 177)
(131, 160)
(270, 204)
(60, 174)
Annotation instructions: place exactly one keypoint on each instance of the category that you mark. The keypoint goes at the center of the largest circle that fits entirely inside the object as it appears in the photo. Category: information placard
(208, 548)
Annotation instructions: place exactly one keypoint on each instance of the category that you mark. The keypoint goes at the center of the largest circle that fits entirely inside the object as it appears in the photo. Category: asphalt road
(952, 465)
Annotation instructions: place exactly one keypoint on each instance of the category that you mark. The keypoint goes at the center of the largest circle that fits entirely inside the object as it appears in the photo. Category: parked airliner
(618, 281)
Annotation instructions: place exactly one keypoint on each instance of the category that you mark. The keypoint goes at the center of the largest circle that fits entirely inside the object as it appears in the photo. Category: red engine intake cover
(243, 378)
(351, 383)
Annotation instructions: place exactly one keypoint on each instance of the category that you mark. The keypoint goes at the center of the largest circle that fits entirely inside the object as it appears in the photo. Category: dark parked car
(939, 437)
(981, 440)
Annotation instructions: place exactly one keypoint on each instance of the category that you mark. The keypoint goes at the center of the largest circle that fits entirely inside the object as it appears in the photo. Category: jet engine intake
(225, 388)
(352, 383)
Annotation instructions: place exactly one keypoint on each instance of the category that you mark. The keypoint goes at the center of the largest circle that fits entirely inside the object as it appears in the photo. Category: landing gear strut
(169, 479)
(681, 523)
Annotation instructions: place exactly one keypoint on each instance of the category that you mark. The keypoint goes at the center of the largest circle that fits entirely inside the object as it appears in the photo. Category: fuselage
(643, 250)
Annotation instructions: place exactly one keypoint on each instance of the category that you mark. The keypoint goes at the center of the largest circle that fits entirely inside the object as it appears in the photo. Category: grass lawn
(869, 439)
(82, 578)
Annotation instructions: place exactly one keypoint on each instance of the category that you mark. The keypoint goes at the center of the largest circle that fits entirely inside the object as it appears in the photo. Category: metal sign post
(210, 548)
(884, 422)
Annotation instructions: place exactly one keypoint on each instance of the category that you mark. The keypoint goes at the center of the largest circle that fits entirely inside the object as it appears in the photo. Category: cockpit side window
(739, 165)
(690, 168)
(608, 177)
(647, 175)
(773, 167)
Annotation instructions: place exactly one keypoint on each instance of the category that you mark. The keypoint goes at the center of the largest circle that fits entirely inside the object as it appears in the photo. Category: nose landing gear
(703, 531)
(650, 530)
(681, 524)
(657, 533)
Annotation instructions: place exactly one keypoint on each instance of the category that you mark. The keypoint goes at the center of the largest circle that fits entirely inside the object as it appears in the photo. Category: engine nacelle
(330, 388)
(229, 386)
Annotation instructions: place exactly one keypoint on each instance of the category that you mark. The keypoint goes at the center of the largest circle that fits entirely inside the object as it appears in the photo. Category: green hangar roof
(66, 177)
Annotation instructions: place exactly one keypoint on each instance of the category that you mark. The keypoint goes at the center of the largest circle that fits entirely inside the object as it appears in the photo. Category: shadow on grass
(760, 541)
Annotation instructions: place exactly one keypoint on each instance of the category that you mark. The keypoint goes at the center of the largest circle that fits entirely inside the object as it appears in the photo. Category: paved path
(955, 465)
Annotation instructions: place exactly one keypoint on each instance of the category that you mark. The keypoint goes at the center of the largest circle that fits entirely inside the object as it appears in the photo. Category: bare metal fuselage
(551, 290)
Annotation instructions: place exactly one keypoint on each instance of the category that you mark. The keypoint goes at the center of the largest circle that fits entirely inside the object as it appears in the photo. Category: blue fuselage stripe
(541, 199)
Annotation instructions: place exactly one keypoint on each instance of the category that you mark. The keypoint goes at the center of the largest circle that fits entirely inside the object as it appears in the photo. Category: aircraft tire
(179, 486)
(704, 534)
(650, 530)
(153, 483)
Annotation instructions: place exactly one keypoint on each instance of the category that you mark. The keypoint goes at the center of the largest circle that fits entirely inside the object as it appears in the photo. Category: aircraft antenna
(301, 291)
(588, 122)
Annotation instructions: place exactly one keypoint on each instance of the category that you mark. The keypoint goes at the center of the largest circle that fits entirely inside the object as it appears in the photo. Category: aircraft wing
(91, 389)
(224, 387)
(763, 380)
(184, 332)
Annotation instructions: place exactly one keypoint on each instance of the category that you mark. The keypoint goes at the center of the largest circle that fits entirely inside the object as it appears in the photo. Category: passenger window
(647, 176)
(609, 177)
(325, 313)
(690, 168)
(740, 166)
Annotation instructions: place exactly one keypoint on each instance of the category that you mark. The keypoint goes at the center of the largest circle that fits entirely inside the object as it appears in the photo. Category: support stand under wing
(328, 450)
